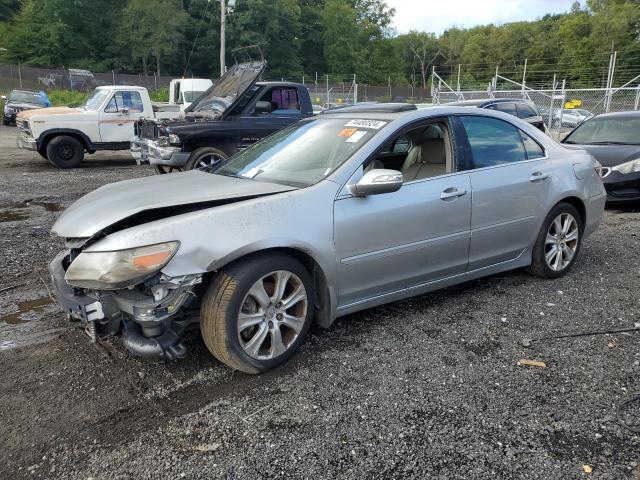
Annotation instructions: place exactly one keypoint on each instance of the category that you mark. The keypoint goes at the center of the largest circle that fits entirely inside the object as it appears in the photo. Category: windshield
(95, 99)
(304, 153)
(26, 97)
(192, 95)
(607, 130)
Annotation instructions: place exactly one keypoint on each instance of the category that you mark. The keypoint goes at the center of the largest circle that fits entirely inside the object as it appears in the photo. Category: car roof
(373, 108)
(486, 101)
(23, 91)
(627, 114)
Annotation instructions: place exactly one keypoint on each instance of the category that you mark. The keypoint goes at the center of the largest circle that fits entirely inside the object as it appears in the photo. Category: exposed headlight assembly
(628, 167)
(119, 269)
(174, 139)
(9, 110)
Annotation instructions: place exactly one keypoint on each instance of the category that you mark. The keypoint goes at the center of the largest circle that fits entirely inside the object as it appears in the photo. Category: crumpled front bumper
(26, 143)
(145, 150)
(145, 321)
(77, 305)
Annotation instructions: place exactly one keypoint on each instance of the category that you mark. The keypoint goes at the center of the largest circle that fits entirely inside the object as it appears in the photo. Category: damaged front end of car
(125, 292)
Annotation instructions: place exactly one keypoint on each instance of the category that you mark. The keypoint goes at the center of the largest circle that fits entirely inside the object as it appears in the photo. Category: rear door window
(525, 111)
(507, 107)
(493, 141)
(533, 148)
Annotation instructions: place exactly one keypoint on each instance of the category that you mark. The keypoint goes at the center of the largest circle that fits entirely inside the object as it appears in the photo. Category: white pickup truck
(104, 122)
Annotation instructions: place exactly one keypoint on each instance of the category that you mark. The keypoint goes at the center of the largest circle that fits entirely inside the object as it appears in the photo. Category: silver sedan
(332, 215)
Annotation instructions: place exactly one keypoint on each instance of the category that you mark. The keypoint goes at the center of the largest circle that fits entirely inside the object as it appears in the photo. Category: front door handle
(538, 176)
(452, 192)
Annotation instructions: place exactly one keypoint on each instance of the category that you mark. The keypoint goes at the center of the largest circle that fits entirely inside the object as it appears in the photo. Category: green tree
(151, 32)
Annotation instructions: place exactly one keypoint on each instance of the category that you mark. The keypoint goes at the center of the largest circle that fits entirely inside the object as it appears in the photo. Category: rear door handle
(452, 193)
(538, 176)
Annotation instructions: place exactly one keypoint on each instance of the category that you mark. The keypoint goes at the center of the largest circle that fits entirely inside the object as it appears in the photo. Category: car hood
(227, 90)
(141, 200)
(47, 111)
(610, 155)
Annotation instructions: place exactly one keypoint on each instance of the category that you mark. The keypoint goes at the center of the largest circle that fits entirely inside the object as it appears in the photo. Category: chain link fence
(324, 89)
(31, 78)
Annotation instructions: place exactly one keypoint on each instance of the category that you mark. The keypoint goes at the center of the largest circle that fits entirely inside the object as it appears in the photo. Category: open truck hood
(227, 90)
(146, 199)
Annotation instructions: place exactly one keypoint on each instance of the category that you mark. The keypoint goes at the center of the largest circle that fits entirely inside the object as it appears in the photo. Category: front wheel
(257, 312)
(205, 157)
(558, 242)
(65, 151)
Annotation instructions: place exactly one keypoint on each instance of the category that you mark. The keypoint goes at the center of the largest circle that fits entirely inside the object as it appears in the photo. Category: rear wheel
(558, 242)
(205, 157)
(257, 313)
(65, 151)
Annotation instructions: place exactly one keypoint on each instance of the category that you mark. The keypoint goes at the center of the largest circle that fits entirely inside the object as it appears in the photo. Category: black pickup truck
(234, 113)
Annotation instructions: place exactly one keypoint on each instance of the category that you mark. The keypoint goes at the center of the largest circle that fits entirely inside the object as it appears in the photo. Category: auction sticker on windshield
(361, 123)
(356, 136)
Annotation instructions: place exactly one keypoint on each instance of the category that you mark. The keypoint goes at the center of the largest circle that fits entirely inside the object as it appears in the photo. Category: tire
(5, 122)
(43, 153)
(205, 157)
(229, 296)
(163, 169)
(552, 238)
(65, 151)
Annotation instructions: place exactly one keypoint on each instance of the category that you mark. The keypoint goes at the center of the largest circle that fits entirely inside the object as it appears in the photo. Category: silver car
(337, 213)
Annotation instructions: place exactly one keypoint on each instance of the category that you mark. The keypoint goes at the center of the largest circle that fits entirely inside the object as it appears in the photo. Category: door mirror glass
(124, 110)
(378, 181)
(263, 107)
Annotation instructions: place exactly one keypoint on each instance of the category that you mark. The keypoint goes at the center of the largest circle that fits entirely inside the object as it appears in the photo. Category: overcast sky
(436, 16)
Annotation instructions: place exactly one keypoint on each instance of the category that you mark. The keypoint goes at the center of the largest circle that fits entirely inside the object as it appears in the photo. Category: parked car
(234, 113)
(517, 107)
(331, 215)
(614, 140)
(570, 117)
(20, 100)
(104, 122)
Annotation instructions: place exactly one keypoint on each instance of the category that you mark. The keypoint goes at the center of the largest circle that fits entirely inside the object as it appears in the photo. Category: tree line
(298, 37)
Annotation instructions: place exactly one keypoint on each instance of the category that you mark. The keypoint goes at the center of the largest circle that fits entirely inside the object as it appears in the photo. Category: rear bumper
(594, 207)
(146, 151)
(26, 143)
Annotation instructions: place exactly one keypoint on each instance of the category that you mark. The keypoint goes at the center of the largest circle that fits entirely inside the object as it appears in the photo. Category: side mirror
(124, 110)
(378, 181)
(263, 107)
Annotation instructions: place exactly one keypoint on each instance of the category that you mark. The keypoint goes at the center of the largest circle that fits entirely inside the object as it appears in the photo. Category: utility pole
(224, 5)
(222, 51)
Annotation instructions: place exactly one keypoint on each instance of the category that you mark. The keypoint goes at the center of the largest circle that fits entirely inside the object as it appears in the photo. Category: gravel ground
(427, 387)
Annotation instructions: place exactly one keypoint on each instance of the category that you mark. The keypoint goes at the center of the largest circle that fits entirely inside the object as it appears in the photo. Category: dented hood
(119, 201)
(27, 114)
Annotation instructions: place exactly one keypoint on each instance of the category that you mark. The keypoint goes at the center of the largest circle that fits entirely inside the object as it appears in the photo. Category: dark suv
(517, 107)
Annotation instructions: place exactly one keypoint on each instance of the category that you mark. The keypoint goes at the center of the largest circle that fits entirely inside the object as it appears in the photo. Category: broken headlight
(174, 139)
(119, 269)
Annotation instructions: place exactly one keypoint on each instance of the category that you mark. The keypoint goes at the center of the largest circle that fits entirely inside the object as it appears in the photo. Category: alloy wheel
(208, 160)
(561, 243)
(272, 315)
